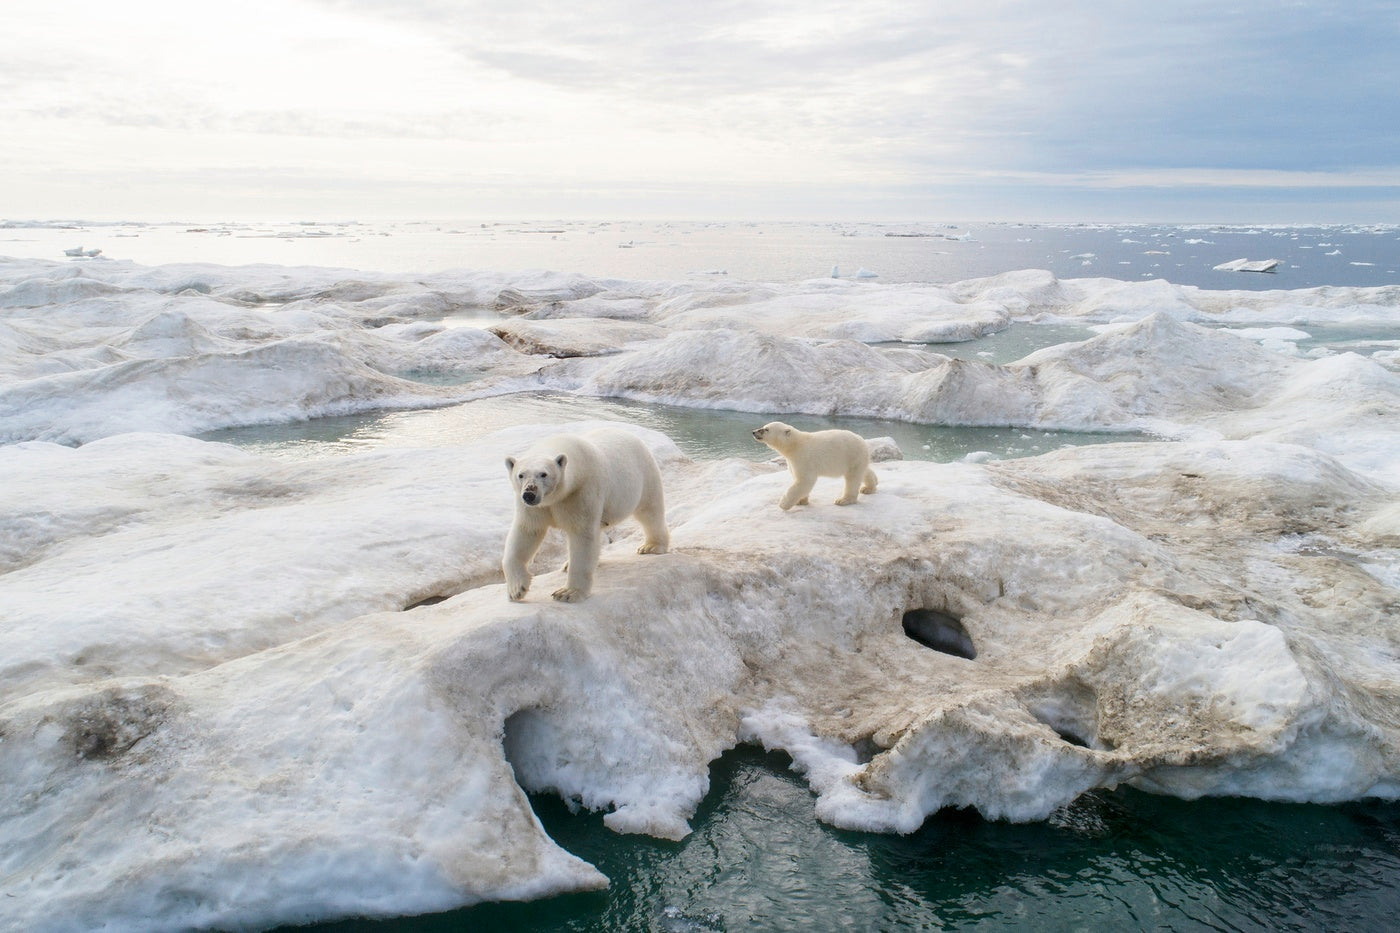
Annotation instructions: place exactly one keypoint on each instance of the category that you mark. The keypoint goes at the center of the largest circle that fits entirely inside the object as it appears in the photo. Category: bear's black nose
(530, 497)
(758, 434)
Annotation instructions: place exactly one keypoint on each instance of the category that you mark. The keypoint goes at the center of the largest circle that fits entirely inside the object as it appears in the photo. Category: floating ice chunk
(864, 273)
(1249, 265)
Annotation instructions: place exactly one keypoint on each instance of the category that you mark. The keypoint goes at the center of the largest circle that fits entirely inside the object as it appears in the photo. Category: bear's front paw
(803, 501)
(568, 594)
(846, 500)
(652, 549)
(517, 591)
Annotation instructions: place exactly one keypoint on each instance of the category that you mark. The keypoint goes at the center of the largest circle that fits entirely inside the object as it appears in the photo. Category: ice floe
(239, 692)
(233, 698)
(93, 352)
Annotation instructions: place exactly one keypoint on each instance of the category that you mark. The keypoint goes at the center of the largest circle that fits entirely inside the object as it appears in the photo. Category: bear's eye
(541, 476)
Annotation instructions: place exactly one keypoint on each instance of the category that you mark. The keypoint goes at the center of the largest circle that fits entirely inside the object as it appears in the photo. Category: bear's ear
(561, 460)
(510, 463)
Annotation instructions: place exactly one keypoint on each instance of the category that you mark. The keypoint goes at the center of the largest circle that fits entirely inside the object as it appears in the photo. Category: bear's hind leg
(657, 536)
(871, 482)
(852, 488)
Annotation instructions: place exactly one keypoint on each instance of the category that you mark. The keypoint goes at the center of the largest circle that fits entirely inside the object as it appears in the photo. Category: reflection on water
(1120, 860)
(701, 433)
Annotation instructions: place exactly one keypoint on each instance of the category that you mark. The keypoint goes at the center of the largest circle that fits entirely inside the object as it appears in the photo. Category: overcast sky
(1274, 110)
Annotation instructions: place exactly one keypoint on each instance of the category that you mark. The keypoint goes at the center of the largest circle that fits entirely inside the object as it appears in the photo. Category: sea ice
(251, 712)
(95, 351)
(238, 692)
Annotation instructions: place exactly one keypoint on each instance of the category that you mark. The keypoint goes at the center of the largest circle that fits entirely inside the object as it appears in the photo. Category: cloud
(883, 96)
(1276, 84)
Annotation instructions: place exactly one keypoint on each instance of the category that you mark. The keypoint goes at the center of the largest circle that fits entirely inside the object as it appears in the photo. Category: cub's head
(536, 478)
(774, 434)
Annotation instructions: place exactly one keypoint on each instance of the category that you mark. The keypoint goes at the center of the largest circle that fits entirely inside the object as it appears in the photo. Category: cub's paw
(846, 500)
(567, 594)
(652, 549)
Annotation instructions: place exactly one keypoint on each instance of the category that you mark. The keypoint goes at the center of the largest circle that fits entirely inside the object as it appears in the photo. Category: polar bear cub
(581, 484)
(811, 454)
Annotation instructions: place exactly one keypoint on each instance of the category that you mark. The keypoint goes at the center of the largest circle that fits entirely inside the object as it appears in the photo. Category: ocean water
(758, 859)
(701, 433)
(769, 252)
(1112, 860)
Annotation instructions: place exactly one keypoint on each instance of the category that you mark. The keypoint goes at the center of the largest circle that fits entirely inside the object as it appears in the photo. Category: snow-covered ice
(238, 691)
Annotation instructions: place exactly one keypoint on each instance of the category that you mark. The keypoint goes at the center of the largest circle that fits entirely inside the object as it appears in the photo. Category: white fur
(811, 454)
(581, 484)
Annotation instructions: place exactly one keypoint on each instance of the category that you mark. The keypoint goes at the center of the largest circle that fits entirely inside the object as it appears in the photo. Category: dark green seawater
(1113, 860)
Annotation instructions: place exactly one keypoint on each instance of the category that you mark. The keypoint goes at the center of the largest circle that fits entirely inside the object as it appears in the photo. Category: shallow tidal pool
(701, 433)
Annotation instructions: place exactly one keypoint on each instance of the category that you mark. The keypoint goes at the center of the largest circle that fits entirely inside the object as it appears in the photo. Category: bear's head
(774, 434)
(537, 479)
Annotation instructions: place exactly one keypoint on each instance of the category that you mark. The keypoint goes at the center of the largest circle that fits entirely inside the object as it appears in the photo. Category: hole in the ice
(519, 737)
(527, 739)
(866, 750)
(939, 631)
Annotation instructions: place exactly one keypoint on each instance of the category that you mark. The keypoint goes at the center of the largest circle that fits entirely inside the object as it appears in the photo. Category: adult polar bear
(581, 484)
(811, 454)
